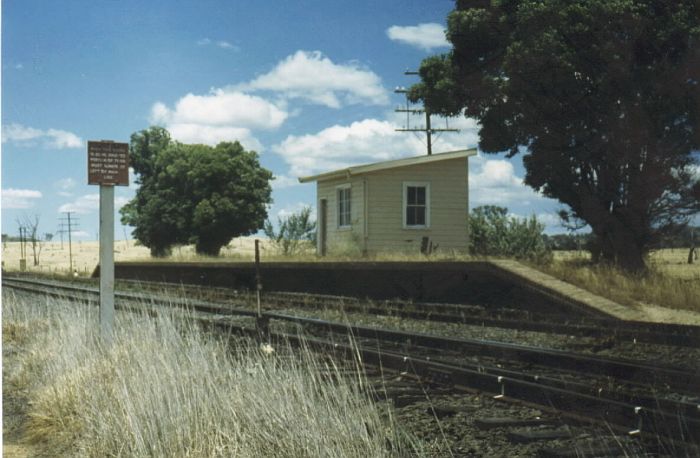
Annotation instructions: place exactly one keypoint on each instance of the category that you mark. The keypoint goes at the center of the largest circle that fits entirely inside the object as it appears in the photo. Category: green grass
(166, 389)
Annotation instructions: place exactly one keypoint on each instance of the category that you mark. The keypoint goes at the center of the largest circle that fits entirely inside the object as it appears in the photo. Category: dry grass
(671, 282)
(166, 389)
(54, 256)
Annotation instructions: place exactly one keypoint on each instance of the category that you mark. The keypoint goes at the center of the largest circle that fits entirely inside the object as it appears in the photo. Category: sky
(309, 85)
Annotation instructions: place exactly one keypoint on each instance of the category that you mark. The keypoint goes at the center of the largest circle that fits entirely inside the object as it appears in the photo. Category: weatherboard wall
(343, 240)
(448, 207)
(377, 209)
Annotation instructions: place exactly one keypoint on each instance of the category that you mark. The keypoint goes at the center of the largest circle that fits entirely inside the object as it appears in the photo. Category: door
(322, 226)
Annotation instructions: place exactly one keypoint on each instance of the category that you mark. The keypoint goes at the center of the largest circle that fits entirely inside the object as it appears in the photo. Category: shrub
(295, 232)
(494, 233)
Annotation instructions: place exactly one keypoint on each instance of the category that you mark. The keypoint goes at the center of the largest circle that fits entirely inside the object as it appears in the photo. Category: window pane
(415, 195)
(416, 205)
(420, 195)
(411, 195)
(420, 216)
(344, 207)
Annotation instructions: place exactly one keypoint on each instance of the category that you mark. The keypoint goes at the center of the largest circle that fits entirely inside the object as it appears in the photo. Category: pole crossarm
(428, 129)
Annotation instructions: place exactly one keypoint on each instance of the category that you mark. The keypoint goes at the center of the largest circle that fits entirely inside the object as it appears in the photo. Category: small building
(405, 205)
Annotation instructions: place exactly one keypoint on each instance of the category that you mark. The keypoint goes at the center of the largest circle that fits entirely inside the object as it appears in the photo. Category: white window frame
(406, 185)
(338, 189)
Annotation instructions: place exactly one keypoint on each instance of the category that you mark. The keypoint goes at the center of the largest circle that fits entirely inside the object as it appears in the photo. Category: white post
(106, 262)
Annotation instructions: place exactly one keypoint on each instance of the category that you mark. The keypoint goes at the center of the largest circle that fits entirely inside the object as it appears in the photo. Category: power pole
(67, 225)
(429, 131)
(23, 242)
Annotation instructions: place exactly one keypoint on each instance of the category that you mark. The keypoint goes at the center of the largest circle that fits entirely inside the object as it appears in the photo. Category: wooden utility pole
(258, 284)
(692, 254)
(428, 129)
(67, 225)
(70, 244)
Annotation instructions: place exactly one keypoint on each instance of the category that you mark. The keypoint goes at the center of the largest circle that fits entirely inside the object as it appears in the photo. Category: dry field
(672, 262)
(54, 256)
(672, 285)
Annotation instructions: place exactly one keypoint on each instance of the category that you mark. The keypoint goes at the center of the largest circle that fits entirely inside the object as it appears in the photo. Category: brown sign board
(108, 163)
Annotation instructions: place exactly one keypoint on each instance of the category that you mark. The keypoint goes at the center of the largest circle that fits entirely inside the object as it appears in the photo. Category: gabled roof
(360, 169)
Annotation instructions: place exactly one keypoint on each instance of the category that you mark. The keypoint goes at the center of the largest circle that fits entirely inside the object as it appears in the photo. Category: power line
(70, 224)
(428, 129)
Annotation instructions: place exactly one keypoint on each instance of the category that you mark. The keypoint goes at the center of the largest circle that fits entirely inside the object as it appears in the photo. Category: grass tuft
(166, 389)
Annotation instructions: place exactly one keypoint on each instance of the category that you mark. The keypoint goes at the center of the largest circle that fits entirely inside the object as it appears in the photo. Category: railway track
(630, 331)
(655, 402)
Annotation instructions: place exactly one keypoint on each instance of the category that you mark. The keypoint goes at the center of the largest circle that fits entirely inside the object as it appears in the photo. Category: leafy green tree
(602, 97)
(155, 211)
(294, 231)
(494, 233)
(194, 193)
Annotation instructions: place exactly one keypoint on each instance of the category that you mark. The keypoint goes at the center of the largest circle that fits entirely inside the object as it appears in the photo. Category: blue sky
(307, 84)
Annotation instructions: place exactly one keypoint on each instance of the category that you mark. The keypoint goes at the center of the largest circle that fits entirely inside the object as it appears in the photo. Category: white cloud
(226, 45)
(120, 201)
(62, 139)
(66, 183)
(213, 135)
(29, 136)
(551, 220)
(284, 181)
(495, 183)
(90, 203)
(19, 198)
(366, 141)
(218, 116)
(340, 146)
(19, 133)
(85, 204)
(221, 108)
(313, 77)
(422, 36)
(295, 208)
(220, 43)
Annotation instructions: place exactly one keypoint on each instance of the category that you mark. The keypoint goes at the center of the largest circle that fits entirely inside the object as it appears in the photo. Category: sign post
(108, 166)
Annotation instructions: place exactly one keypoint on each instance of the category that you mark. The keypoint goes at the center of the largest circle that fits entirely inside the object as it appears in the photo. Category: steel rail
(627, 370)
(620, 369)
(633, 331)
(636, 419)
(631, 418)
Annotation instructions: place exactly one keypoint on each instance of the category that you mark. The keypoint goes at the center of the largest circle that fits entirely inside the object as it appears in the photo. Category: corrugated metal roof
(367, 168)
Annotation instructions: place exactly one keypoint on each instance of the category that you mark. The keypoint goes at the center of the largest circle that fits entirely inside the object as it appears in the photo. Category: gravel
(683, 357)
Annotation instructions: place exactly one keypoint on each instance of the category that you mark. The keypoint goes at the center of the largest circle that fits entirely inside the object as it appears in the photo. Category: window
(416, 200)
(344, 205)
